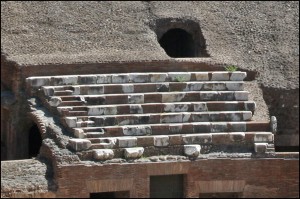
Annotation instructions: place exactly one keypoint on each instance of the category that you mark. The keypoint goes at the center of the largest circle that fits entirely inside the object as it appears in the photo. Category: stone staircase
(143, 114)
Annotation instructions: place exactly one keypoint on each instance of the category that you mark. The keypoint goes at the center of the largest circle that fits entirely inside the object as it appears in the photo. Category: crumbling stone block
(103, 154)
(133, 153)
(192, 150)
(80, 144)
(161, 140)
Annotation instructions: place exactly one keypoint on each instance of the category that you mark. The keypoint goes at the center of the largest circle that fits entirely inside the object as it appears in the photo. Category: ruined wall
(248, 177)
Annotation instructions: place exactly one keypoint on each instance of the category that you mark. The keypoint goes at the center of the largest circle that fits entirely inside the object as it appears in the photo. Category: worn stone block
(192, 150)
(236, 127)
(103, 79)
(179, 77)
(219, 76)
(136, 98)
(79, 133)
(71, 122)
(172, 97)
(200, 106)
(87, 79)
(171, 118)
(264, 137)
(124, 142)
(158, 77)
(209, 95)
(137, 130)
(108, 143)
(139, 77)
(133, 153)
(238, 76)
(48, 90)
(260, 147)
(119, 79)
(201, 76)
(95, 90)
(197, 138)
(38, 81)
(80, 144)
(161, 140)
(135, 109)
(103, 154)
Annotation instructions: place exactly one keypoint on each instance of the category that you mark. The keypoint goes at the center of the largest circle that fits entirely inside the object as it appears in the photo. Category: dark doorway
(178, 43)
(34, 141)
(170, 186)
(117, 194)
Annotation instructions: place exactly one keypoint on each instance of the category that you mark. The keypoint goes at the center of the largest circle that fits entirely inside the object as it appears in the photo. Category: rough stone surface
(133, 153)
(260, 147)
(80, 144)
(192, 150)
(161, 140)
(103, 154)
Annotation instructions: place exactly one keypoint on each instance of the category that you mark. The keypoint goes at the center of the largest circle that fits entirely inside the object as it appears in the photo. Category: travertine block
(133, 153)
(161, 140)
(192, 150)
(80, 144)
(260, 147)
(103, 154)
(124, 142)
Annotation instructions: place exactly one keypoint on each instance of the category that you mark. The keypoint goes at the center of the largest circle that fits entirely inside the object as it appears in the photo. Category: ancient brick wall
(248, 177)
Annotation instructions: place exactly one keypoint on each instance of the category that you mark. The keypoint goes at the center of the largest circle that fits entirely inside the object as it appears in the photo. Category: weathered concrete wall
(252, 177)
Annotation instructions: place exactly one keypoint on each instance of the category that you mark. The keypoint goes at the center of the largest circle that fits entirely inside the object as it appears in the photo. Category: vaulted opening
(178, 43)
(116, 194)
(34, 141)
(180, 37)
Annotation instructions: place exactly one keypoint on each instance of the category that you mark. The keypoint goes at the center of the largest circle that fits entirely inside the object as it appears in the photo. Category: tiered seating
(117, 115)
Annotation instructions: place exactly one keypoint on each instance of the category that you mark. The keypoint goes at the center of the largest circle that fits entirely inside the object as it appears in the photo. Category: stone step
(121, 109)
(222, 138)
(180, 117)
(172, 128)
(71, 103)
(63, 93)
(117, 78)
(140, 98)
(97, 89)
(75, 113)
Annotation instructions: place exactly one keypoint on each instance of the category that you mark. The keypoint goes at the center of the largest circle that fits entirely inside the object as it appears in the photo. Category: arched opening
(34, 141)
(178, 43)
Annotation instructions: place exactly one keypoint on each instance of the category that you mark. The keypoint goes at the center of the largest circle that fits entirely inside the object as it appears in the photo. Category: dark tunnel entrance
(34, 141)
(178, 43)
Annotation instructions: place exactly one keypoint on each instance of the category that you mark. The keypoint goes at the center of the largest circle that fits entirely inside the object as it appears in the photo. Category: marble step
(121, 109)
(154, 118)
(140, 98)
(96, 89)
(117, 78)
(175, 128)
(222, 138)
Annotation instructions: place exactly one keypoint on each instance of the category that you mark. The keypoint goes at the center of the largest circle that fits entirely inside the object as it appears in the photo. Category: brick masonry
(249, 177)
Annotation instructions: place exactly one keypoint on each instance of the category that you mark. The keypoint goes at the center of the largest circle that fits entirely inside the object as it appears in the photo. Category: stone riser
(182, 117)
(170, 140)
(159, 108)
(36, 82)
(168, 129)
(99, 89)
(159, 97)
